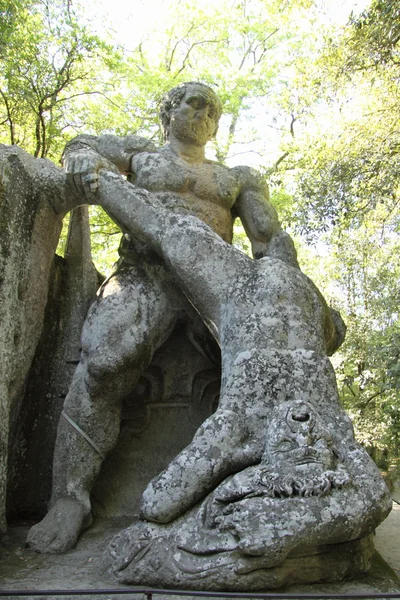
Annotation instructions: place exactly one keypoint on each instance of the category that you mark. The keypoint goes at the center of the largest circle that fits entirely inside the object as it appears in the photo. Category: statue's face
(195, 120)
(296, 436)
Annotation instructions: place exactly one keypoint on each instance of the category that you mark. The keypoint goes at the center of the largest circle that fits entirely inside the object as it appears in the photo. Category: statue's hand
(82, 168)
(279, 246)
(260, 249)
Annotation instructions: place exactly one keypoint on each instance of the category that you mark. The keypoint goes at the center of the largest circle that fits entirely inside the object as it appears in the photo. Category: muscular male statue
(138, 306)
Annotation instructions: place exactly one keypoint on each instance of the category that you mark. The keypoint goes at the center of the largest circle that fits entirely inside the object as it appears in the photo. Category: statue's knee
(157, 512)
(98, 371)
(114, 373)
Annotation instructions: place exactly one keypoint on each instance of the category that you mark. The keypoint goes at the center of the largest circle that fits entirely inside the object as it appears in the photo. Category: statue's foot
(60, 529)
(127, 546)
(138, 553)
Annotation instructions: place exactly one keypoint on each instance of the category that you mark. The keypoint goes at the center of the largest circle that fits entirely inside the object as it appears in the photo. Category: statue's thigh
(133, 315)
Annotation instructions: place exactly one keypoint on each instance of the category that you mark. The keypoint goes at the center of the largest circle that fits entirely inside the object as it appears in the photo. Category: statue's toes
(126, 549)
(60, 529)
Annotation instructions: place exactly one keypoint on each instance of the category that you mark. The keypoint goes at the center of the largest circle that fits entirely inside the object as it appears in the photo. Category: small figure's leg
(224, 444)
(131, 319)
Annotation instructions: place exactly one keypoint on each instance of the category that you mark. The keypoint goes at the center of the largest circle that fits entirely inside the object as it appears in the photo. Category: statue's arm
(116, 150)
(260, 219)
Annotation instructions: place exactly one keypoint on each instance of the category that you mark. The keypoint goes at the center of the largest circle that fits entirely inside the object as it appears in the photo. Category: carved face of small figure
(195, 120)
(297, 437)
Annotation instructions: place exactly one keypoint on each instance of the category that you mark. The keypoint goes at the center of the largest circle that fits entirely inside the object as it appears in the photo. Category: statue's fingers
(89, 163)
(86, 164)
(77, 182)
(90, 182)
(66, 163)
(70, 164)
(73, 164)
(90, 179)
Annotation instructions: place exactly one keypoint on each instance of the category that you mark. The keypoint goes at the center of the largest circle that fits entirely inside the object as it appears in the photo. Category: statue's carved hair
(173, 98)
(290, 484)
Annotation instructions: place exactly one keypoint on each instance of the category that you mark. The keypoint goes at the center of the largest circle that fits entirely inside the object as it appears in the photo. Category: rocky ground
(22, 569)
(387, 539)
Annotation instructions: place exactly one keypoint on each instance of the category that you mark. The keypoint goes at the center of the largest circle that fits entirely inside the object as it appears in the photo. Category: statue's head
(193, 94)
(297, 436)
(300, 457)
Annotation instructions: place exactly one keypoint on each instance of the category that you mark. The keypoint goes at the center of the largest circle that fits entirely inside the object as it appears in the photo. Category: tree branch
(247, 52)
(169, 63)
(190, 50)
(364, 405)
(292, 122)
(9, 117)
(280, 159)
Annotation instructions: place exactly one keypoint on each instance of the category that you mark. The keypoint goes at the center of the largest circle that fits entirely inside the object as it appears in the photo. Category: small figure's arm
(85, 155)
(260, 219)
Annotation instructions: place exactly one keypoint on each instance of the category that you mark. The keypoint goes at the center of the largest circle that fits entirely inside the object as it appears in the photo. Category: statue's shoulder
(249, 178)
(137, 144)
(221, 167)
(109, 144)
(216, 163)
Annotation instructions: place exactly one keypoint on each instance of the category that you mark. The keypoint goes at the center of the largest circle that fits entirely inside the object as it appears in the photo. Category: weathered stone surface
(20, 568)
(284, 520)
(140, 304)
(177, 392)
(33, 201)
(274, 479)
(73, 285)
(299, 477)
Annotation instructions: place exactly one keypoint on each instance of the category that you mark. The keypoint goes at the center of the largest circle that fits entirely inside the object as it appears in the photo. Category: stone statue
(273, 523)
(138, 306)
(273, 488)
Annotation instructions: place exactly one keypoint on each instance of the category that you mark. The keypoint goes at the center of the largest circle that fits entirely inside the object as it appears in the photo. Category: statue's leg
(271, 337)
(202, 264)
(132, 317)
(220, 447)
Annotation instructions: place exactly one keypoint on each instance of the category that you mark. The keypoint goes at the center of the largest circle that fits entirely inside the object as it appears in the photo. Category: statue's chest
(165, 172)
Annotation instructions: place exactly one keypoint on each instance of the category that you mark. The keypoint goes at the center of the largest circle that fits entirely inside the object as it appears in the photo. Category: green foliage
(47, 61)
(106, 236)
(240, 239)
(236, 47)
(370, 368)
(343, 168)
(346, 155)
(375, 36)
(330, 96)
(353, 167)
(359, 274)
